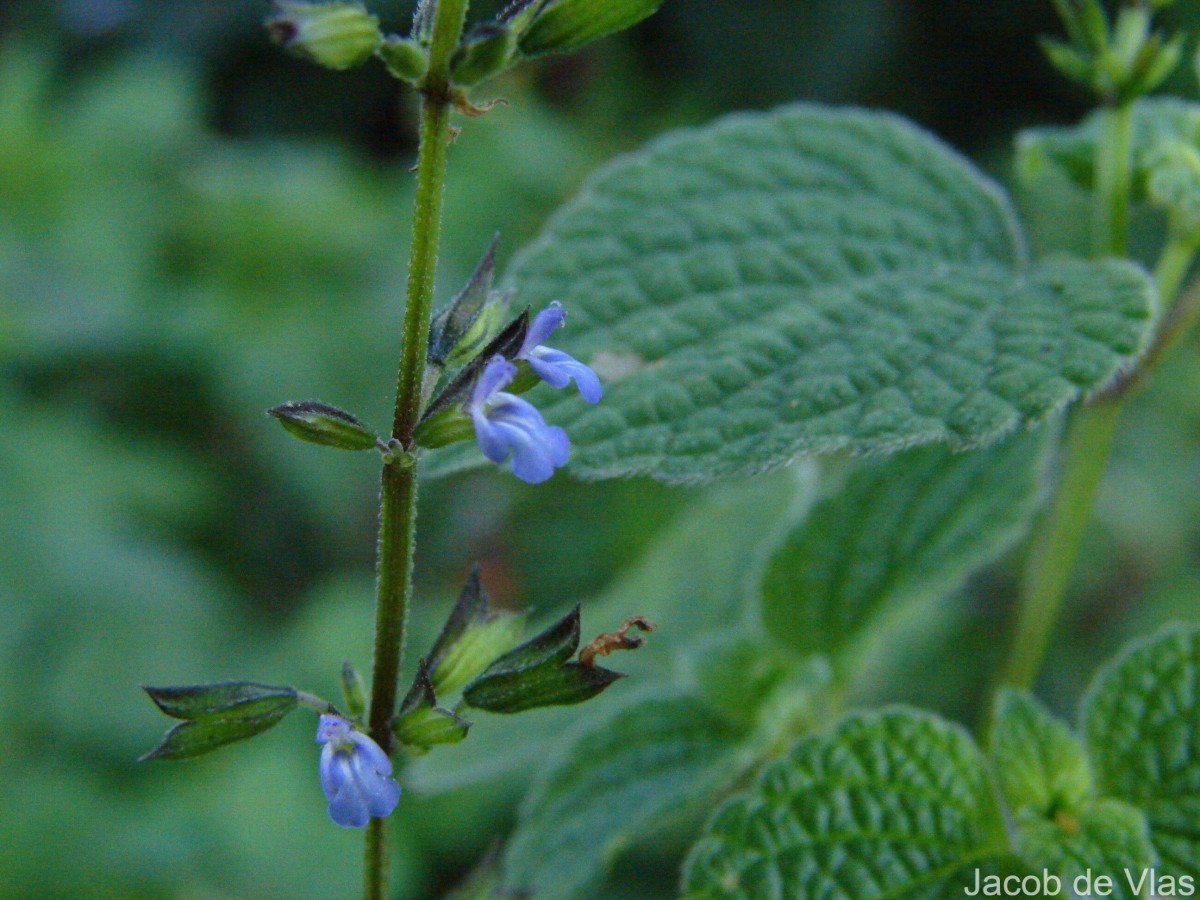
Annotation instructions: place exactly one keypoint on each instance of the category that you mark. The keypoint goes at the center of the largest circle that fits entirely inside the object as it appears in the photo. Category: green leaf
(640, 767)
(1142, 727)
(1158, 122)
(887, 804)
(810, 280)
(1108, 838)
(901, 530)
(565, 25)
(1040, 765)
(200, 736)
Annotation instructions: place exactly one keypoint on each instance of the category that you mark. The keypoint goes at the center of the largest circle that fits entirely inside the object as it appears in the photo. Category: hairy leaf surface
(902, 529)
(810, 280)
(1142, 724)
(888, 804)
(627, 773)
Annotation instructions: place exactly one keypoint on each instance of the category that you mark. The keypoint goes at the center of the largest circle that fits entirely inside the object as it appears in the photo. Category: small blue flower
(355, 774)
(505, 422)
(553, 366)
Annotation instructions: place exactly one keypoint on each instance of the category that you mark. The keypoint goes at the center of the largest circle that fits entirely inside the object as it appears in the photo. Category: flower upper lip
(556, 367)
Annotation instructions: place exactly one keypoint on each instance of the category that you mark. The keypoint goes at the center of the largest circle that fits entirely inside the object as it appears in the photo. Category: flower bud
(334, 35)
(404, 58)
(354, 690)
(319, 423)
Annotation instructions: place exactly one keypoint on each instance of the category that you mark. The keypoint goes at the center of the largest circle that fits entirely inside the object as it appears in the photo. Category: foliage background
(194, 227)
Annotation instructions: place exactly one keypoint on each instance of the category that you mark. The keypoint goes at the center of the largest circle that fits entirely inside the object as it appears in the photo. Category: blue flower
(553, 366)
(355, 774)
(505, 422)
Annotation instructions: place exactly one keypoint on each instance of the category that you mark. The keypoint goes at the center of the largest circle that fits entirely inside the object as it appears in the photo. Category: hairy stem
(398, 489)
(1057, 535)
(1113, 182)
(1056, 541)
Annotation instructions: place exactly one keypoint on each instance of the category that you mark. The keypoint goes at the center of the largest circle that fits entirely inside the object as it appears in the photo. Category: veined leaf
(1041, 767)
(637, 769)
(810, 280)
(1107, 837)
(888, 804)
(1059, 825)
(900, 530)
(1142, 725)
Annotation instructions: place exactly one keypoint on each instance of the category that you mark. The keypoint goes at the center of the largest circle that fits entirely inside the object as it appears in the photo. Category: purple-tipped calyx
(355, 774)
(555, 367)
(504, 424)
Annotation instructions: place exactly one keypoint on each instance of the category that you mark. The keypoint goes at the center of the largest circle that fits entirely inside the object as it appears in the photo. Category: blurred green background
(195, 227)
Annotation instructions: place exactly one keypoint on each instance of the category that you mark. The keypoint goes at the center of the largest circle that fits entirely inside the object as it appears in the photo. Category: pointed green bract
(561, 26)
(637, 769)
(810, 280)
(901, 530)
(1142, 726)
(472, 639)
(538, 673)
(224, 700)
(421, 723)
(889, 804)
(217, 714)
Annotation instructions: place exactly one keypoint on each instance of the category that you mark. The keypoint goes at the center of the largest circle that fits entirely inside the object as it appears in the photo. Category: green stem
(1056, 541)
(1113, 182)
(398, 487)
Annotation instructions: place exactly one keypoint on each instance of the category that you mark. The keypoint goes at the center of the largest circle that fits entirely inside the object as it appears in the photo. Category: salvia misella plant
(766, 289)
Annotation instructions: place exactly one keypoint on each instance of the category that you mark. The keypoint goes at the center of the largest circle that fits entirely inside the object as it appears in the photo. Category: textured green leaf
(1108, 837)
(1158, 122)
(900, 530)
(642, 766)
(887, 804)
(1142, 726)
(1040, 765)
(810, 280)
